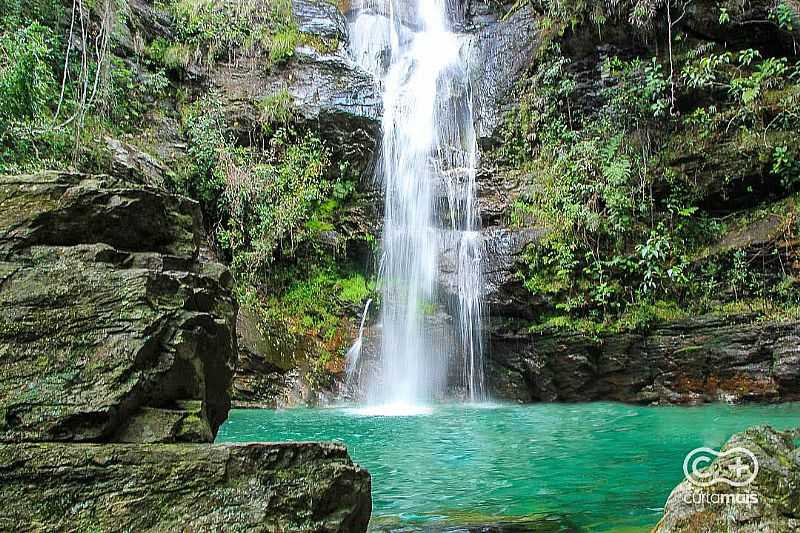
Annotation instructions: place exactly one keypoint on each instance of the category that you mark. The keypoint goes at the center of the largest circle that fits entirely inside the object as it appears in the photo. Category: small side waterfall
(427, 169)
(354, 353)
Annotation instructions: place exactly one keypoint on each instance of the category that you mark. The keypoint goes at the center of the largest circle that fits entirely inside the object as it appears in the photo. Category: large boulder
(769, 504)
(689, 361)
(117, 343)
(106, 316)
(300, 487)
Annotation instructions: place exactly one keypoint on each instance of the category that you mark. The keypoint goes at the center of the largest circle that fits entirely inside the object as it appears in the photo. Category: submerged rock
(300, 487)
(770, 504)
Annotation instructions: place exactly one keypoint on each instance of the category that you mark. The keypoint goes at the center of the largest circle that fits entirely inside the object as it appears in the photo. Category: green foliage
(785, 166)
(318, 297)
(209, 30)
(27, 81)
(302, 314)
(750, 81)
(276, 109)
(28, 92)
(625, 226)
(270, 203)
(209, 142)
(562, 15)
(262, 202)
(724, 15)
(55, 106)
(170, 55)
(784, 16)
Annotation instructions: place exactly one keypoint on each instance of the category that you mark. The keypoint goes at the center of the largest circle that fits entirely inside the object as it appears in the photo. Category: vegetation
(208, 30)
(631, 223)
(58, 94)
(269, 203)
(74, 74)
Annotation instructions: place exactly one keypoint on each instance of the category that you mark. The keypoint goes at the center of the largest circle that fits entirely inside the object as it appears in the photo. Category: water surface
(545, 467)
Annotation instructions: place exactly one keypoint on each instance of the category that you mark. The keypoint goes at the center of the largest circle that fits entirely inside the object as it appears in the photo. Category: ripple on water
(391, 409)
(504, 468)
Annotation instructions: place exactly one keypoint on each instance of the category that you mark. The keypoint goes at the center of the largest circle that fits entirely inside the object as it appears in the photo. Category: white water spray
(427, 169)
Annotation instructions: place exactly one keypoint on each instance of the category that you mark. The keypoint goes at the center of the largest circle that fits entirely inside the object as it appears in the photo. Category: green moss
(320, 44)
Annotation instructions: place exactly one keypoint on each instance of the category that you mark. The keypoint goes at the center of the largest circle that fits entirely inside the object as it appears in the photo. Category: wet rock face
(500, 51)
(329, 92)
(320, 17)
(775, 488)
(692, 361)
(105, 312)
(272, 488)
(505, 294)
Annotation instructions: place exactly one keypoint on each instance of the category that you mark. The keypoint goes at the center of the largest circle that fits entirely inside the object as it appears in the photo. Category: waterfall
(354, 353)
(427, 168)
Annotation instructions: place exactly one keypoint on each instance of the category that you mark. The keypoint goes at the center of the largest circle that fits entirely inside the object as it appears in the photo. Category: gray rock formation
(329, 92)
(104, 309)
(113, 331)
(690, 361)
(499, 52)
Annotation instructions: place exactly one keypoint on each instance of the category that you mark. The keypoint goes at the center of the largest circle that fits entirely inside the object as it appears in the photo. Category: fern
(610, 150)
(618, 171)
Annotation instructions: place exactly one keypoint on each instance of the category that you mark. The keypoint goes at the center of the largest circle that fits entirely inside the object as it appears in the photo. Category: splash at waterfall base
(427, 164)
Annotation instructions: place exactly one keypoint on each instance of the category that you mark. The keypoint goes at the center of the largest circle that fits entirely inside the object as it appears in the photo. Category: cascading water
(427, 169)
(354, 353)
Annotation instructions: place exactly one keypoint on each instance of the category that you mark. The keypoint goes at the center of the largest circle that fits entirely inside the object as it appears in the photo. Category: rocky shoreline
(699, 360)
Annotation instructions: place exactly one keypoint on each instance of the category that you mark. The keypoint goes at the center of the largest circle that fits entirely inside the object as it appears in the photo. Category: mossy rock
(104, 309)
(776, 488)
(296, 487)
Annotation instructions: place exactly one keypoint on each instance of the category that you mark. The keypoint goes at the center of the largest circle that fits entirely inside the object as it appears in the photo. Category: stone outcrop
(180, 487)
(749, 23)
(118, 345)
(104, 310)
(689, 361)
(501, 50)
(775, 489)
(268, 375)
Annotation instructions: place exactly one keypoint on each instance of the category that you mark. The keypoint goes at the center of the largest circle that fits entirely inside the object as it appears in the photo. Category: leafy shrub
(213, 30)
